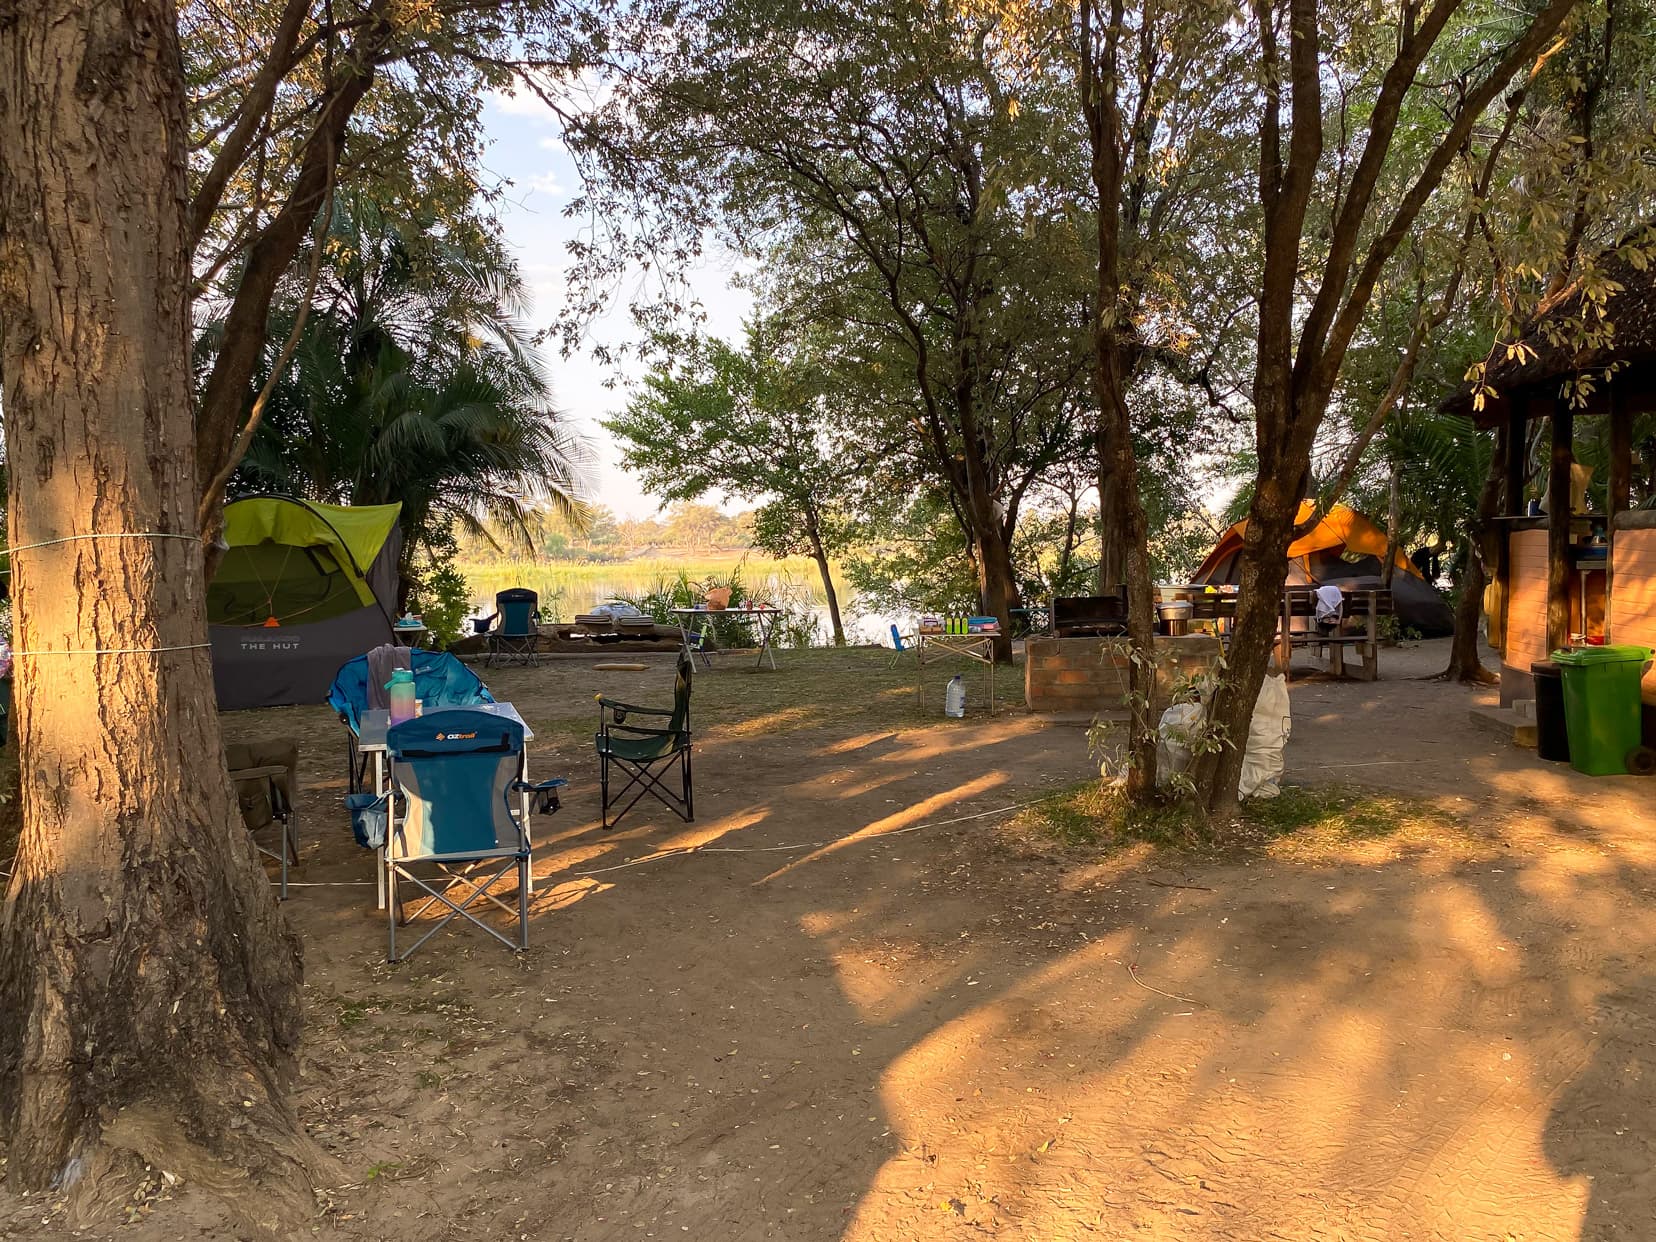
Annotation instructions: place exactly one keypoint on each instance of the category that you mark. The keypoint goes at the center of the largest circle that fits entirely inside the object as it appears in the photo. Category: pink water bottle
(400, 692)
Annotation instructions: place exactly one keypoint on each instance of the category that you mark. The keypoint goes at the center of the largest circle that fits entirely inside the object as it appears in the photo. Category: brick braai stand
(1088, 676)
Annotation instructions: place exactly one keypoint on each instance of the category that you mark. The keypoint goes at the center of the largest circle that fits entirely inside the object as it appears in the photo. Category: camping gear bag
(367, 818)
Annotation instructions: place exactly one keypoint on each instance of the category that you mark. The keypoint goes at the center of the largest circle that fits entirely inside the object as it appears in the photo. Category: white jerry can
(954, 697)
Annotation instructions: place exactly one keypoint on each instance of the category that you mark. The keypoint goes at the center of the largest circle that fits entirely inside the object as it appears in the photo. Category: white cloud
(521, 103)
(547, 183)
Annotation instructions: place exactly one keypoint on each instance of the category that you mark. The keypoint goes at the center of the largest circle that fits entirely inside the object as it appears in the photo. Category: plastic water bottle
(954, 697)
(400, 692)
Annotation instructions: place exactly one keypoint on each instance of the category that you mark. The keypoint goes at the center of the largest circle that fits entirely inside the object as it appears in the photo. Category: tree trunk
(1559, 514)
(997, 585)
(1128, 518)
(819, 554)
(1394, 517)
(1264, 570)
(1465, 661)
(1124, 531)
(1067, 552)
(222, 407)
(149, 988)
(1112, 539)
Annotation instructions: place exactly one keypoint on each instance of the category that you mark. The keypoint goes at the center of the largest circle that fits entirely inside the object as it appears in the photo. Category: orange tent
(1341, 531)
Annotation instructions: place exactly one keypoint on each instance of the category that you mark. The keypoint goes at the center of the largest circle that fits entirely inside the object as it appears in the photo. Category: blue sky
(525, 150)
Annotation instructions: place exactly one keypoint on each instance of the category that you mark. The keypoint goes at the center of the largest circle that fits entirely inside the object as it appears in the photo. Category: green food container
(1601, 705)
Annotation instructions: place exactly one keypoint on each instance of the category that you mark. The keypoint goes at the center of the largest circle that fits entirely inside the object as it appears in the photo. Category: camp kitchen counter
(375, 723)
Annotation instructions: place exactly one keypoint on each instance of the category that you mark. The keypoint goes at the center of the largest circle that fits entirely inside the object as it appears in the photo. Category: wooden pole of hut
(1558, 525)
(1620, 497)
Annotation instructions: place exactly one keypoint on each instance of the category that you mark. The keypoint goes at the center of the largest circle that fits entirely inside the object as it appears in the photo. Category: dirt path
(819, 1025)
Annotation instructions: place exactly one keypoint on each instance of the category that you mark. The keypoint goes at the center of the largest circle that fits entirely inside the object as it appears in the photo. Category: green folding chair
(647, 753)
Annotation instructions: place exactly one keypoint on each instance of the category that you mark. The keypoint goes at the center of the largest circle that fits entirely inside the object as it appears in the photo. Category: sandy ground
(821, 1025)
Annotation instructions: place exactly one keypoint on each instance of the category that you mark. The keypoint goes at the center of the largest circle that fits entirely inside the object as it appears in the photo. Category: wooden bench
(1298, 629)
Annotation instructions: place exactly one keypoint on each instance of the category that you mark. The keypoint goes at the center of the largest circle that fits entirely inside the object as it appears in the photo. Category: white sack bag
(1268, 732)
(1178, 727)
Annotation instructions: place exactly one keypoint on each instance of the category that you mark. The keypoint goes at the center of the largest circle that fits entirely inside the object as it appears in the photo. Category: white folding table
(764, 618)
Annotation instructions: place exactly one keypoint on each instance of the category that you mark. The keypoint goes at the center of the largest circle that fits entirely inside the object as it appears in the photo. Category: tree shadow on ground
(745, 1029)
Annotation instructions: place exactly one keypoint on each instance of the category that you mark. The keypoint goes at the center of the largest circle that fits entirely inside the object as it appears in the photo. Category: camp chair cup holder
(543, 794)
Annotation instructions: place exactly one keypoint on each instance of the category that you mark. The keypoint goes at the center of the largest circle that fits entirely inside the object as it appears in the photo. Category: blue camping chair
(454, 776)
(440, 681)
(516, 632)
(900, 646)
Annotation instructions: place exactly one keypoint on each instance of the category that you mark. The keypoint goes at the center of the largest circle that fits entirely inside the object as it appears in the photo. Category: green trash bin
(1601, 705)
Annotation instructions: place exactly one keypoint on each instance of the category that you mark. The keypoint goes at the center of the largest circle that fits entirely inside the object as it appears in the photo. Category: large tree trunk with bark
(1465, 660)
(997, 584)
(149, 988)
(1112, 537)
(1128, 518)
(1264, 570)
(1125, 537)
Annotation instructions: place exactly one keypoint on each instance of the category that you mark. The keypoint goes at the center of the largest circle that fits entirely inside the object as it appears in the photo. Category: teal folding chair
(453, 831)
(440, 680)
(646, 753)
(516, 632)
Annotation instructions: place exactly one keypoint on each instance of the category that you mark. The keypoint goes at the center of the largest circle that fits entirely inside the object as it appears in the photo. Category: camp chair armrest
(271, 772)
(545, 794)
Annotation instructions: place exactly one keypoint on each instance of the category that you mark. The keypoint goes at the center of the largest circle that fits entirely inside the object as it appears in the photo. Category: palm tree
(414, 381)
(1455, 485)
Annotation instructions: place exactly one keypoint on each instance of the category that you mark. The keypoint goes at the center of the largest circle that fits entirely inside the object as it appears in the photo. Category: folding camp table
(408, 635)
(376, 722)
(929, 648)
(766, 618)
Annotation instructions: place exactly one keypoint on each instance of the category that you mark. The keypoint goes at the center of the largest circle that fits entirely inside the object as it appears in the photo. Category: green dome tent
(303, 587)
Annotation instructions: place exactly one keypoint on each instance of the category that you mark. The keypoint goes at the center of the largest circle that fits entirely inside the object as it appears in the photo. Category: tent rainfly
(1343, 549)
(303, 587)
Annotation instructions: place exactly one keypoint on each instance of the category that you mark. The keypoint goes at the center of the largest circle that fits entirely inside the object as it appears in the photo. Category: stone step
(1505, 723)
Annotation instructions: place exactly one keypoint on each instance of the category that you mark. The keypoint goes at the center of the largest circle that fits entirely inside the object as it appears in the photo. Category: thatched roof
(1605, 316)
